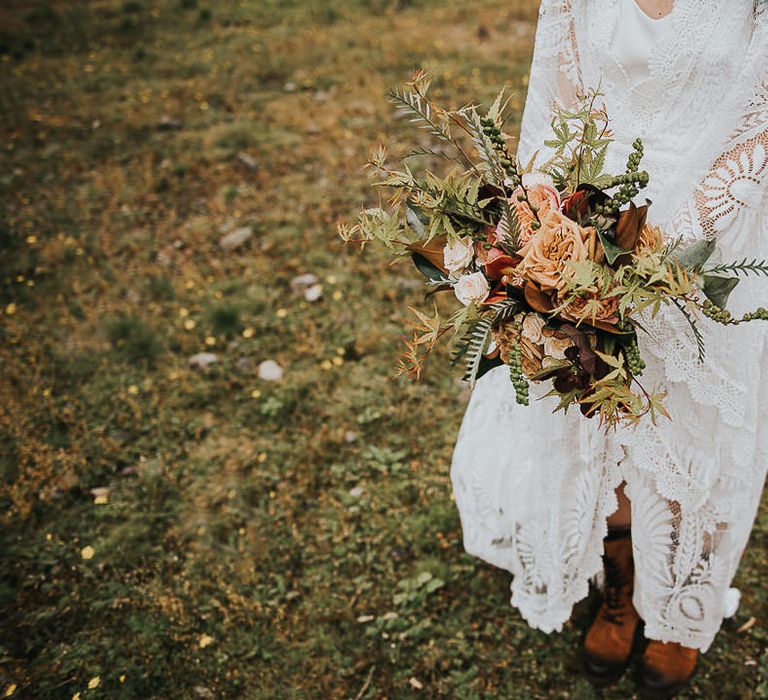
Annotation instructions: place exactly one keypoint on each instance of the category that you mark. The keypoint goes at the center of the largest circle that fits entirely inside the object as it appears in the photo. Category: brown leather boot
(666, 668)
(609, 642)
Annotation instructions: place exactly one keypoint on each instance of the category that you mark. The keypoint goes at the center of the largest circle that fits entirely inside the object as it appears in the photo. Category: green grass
(261, 540)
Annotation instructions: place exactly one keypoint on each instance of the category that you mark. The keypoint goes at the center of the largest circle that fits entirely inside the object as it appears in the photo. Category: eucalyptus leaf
(717, 289)
(695, 255)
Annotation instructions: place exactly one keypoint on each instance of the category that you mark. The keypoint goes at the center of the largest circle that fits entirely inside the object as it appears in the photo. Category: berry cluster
(629, 184)
(516, 371)
(499, 142)
(720, 315)
(760, 314)
(509, 165)
(635, 363)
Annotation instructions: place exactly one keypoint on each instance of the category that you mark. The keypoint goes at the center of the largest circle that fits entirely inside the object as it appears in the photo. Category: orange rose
(592, 308)
(557, 242)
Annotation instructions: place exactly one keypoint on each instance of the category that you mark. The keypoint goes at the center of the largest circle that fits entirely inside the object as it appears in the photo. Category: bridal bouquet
(553, 268)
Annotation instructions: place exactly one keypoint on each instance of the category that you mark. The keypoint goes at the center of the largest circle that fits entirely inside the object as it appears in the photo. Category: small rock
(168, 123)
(415, 683)
(356, 492)
(227, 226)
(164, 259)
(270, 371)
(314, 292)
(313, 129)
(203, 360)
(247, 160)
(100, 495)
(236, 238)
(350, 436)
(365, 618)
(302, 282)
(204, 693)
(120, 435)
(290, 87)
(244, 365)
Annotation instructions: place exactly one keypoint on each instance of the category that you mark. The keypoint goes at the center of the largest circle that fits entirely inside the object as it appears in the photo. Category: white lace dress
(534, 488)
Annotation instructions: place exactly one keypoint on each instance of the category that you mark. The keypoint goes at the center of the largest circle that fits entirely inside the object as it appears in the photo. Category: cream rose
(555, 347)
(558, 241)
(471, 288)
(533, 324)
(458, 254)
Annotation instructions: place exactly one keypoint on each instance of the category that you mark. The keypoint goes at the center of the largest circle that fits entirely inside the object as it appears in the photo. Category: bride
(664, 510)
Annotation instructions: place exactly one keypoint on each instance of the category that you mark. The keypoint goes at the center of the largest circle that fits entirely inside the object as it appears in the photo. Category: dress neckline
(642, 12)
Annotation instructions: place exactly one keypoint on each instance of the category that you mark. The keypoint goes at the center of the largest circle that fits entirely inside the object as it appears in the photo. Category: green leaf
(612, 251)
(717, 289)
(696, 254)
(426, 268)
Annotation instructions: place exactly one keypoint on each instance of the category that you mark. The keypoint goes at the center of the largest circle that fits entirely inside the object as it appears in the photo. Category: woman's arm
(555, 76)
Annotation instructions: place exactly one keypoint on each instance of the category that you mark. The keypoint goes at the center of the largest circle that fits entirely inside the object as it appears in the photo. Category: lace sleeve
(735, 185)
(555, 77)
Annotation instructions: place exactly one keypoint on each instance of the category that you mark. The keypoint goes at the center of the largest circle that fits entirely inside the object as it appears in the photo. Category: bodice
(635, 37)
(663, 79)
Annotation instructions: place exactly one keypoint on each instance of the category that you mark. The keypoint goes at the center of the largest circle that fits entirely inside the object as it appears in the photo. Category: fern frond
(420, 111)
(427, 151)
(474, 342)
(744, 267)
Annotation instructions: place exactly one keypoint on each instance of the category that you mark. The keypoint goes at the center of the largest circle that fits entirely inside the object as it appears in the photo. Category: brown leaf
(432, 251)
(630, 225)
(537, 299)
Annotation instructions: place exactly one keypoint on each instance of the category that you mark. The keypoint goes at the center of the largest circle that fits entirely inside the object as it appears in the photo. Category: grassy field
(182, 532)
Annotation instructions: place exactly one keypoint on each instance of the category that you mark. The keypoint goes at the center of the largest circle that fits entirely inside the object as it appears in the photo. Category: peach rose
(555, 347)
(557, 242)
(592, 307)
(542, 193)
(533, 324)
